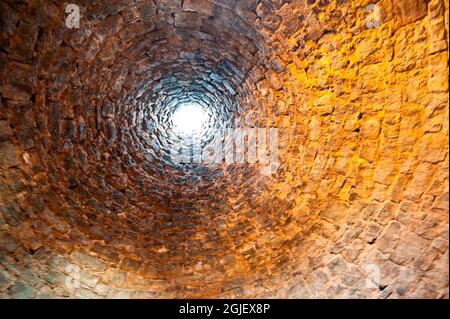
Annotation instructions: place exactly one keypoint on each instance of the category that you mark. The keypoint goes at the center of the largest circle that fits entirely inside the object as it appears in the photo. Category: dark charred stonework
(93, 206)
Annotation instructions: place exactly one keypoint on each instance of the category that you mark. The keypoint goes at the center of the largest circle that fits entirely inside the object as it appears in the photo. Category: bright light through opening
(189, 118)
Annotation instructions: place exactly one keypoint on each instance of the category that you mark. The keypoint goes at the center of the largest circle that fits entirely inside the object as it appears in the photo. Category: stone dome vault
(93, 206)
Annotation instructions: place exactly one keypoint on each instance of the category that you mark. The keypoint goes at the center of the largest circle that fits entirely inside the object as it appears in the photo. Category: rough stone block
(433, 148)
(204, 7)
(189, 20)
(21, 291)
(88, 261)
(8, 155)
(5, 130)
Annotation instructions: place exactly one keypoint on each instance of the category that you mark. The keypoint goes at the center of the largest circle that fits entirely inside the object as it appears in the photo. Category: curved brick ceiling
(87, 183)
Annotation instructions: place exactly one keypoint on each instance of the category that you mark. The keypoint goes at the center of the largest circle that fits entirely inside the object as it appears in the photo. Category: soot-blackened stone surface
(92, 206)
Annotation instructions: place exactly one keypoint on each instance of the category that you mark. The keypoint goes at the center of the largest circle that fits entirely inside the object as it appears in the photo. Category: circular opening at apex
(189, 118)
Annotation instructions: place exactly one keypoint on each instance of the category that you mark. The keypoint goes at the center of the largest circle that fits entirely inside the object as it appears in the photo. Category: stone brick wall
(92, 207)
